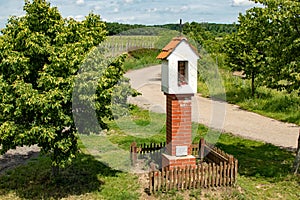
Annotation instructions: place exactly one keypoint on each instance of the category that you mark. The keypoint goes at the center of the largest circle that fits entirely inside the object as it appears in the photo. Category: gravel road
(215, 114)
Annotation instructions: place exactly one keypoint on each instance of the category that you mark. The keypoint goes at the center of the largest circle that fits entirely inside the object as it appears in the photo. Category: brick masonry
(179, 122)
(172, 161)
(179, 130)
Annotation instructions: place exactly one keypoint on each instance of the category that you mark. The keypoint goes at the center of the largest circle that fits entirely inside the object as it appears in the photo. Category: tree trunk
(252, 84)
(297, 159)
(55, 171)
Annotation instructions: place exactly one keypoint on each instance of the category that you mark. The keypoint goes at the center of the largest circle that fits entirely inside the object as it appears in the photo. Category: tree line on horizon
(217, 30)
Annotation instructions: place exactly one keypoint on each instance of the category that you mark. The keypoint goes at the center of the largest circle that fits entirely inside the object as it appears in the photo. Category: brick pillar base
(179, 131)
(172, 161)
(179, 122)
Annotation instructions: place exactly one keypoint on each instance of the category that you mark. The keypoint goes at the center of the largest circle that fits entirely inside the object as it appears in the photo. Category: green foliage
(141, 58)
(115, 28)
(100, 91)
(217, 30)
(40, 55)
(197, 33)
(266, 45)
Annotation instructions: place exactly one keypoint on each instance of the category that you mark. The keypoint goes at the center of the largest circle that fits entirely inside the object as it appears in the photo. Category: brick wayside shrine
(179, 84)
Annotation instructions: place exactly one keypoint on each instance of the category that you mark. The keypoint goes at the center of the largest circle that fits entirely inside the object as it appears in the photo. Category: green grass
(86, 178)
(264, 169)
(141, 58)
(268, 102)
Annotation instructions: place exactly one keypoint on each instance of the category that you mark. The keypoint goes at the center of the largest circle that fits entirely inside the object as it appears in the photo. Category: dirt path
(16, 157)
(218, 115)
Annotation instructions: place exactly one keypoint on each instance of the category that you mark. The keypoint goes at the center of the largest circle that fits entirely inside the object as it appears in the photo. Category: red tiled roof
(169, 48)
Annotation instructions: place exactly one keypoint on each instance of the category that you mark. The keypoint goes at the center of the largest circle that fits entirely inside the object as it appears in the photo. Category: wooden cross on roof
(180, 27)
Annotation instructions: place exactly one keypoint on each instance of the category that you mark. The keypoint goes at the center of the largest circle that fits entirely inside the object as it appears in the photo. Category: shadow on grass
(34, 181)
(257, 159)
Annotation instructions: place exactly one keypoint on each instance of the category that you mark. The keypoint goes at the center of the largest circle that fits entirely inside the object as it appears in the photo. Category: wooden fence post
(296, 164)
(133, 153)
(235, 171)
(201, 149)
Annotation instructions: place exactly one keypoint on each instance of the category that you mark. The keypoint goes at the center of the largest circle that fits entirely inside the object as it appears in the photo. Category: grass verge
(141, 58)
(279, 105)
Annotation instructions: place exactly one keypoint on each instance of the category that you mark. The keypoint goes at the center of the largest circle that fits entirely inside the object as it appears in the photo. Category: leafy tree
(266, 45)
(282, 44)
(197, 33)
(245, 48)
(40, 56)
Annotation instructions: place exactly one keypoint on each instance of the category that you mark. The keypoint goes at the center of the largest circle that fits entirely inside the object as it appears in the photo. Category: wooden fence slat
(217, 176)
(154, 181)
(151, 183)
(204, 176)
(176, 181)
(213, 175)
(185, 177)
(200, 176)
(163, 180)
(190, 177)
(180, 185)
(227, 174)
(167, 180)
(172, 179)
(159, 180)
(182, 178)
(220, 174)
(210, 175)
(194, 176)
(179, 175)
(236, 171)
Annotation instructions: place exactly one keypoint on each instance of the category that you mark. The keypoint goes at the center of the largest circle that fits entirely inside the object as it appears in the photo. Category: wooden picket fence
(154, 151)
(200, 176)
(215, 168)
(203, 151)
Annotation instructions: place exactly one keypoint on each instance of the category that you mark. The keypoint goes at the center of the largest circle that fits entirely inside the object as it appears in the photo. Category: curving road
(218, 115)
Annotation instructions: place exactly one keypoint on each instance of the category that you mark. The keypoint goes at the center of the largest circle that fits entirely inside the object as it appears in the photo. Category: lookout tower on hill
(179, 84)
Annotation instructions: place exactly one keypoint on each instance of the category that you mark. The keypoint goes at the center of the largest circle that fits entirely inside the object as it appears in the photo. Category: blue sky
(140, 11)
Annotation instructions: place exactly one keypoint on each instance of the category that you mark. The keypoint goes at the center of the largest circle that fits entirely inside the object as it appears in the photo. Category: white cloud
(97, 7)
(151, 10)
(128, 1)
(80, 2)
(116, 10)
(184, 8)
(242, 3)
(77, 17)
(125, 19)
